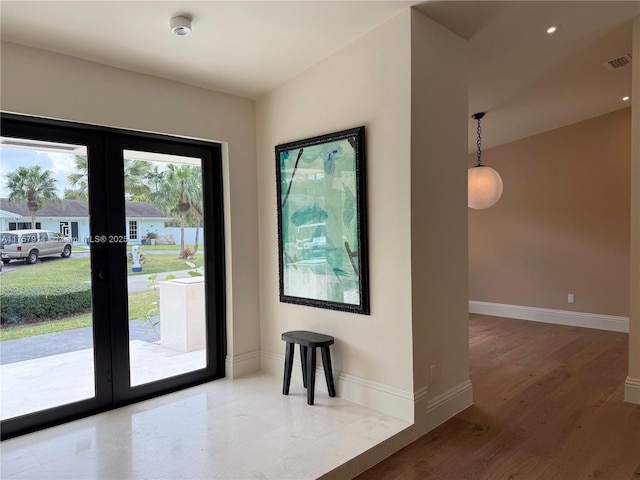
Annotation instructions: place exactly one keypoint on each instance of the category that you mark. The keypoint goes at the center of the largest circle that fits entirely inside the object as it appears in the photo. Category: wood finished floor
(548, 404)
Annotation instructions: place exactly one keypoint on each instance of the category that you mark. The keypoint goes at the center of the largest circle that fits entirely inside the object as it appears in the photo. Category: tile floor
(226, 429)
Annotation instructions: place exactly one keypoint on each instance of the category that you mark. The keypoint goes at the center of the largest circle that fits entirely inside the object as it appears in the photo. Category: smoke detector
(180, 26)
(618, 62)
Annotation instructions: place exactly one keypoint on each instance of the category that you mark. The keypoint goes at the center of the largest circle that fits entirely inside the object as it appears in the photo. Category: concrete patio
(39, 383)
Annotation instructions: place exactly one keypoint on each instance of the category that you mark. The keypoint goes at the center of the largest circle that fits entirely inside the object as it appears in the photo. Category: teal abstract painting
(322, 222)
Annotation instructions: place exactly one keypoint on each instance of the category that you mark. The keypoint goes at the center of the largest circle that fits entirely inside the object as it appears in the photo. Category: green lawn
(40, 328)
(157, 263)
(76, 270)
(59, 272)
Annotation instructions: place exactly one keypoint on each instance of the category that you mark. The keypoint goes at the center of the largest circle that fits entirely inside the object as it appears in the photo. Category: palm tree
(79, 178)
(70, 194)
(198, 212)
(135, 177)
(34, 185)
(135, 172)
(181, 194)
(154, 177)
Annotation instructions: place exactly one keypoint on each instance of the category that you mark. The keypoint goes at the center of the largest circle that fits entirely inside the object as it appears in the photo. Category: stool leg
(303, 359)
(288, 365)
(311, 373)
(328, 373)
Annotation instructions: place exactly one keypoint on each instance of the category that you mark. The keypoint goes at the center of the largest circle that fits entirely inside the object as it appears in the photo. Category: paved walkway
(140, 283)
(29, 348)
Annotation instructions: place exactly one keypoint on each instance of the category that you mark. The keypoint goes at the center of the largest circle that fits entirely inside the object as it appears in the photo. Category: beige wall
(632, 390)
(438, 206)
(366, 83)
(562, 224)
(46, 84)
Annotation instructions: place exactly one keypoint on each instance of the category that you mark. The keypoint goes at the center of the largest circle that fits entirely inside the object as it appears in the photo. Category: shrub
(21, 303)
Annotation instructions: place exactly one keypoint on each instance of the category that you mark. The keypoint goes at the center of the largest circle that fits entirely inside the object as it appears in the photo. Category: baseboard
(546, 315)
(632, 390)
(273, 364)
(239, 365)
(431, 412)
(386, 399)
(435, 412)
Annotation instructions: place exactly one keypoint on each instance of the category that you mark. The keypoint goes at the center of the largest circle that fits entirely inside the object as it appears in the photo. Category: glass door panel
(165, 265)
(104, 296)
(47, 335)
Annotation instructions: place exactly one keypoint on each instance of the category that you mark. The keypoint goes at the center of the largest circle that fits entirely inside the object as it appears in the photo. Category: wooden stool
(308, 342)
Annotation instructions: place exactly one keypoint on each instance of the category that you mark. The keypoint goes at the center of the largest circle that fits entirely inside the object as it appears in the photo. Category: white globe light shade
(485, 187)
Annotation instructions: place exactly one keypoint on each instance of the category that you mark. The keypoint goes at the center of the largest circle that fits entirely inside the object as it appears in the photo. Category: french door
(137, 309)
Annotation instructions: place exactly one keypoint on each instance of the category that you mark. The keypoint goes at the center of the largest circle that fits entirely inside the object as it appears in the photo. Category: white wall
(439, 254)
(367, 83)
(416, 126)
(46, 84)
(189, 235)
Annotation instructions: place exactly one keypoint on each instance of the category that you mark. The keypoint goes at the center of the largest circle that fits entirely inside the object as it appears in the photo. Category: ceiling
(526, 80)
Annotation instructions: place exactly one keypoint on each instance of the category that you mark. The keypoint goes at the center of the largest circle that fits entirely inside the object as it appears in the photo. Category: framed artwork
(322, 227)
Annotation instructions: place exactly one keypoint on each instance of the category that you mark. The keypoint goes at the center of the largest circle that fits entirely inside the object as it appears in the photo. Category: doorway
(116, 321)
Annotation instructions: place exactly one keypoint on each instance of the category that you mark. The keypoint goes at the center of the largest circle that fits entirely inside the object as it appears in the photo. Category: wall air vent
(618, 62)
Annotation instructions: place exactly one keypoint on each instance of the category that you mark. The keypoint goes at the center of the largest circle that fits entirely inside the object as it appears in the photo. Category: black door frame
(108, 263)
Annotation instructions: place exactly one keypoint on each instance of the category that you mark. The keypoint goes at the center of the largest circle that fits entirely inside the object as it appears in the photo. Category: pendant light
(485, 184)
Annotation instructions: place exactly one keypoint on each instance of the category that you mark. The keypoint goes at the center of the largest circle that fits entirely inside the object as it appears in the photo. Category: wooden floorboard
(548, 404)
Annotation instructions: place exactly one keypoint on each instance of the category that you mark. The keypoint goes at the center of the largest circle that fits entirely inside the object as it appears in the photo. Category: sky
(60, 164)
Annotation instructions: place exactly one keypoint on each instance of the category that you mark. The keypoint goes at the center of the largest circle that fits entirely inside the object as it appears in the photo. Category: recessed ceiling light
(626, 99)
(180, 26)
(552, 29)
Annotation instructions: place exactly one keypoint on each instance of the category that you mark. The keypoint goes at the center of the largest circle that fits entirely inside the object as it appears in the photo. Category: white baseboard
(389, 400)
(632, 390)
(386, 399)
(239, 365)
(546, 315)
(435, 411)
(273, 364)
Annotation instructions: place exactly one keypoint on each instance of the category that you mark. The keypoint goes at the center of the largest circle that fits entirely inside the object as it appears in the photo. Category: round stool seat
(308, 342)
(308, 339)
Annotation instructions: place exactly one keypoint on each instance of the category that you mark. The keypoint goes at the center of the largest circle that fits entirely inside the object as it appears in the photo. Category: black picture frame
(322, 221)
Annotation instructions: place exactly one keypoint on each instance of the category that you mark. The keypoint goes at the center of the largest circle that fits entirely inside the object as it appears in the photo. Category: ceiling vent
(618, 62)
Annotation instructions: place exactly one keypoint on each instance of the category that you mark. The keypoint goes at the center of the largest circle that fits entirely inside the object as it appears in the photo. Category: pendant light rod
(478, 116)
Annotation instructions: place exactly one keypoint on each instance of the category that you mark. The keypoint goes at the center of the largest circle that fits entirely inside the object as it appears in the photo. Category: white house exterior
(6, 217)
(71, 218)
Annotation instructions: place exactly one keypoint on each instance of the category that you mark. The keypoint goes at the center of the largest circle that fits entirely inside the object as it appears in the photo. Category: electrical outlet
(432, 374)
(571, 298)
